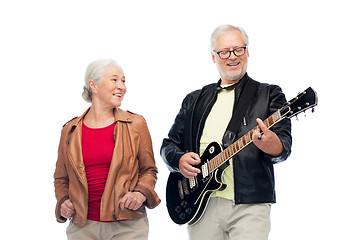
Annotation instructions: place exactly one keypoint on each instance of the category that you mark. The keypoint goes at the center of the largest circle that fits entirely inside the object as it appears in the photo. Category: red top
(97, 150)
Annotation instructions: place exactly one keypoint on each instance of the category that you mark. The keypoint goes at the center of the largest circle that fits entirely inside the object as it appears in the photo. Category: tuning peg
(313, 110)
(305, 113)
(297, 118)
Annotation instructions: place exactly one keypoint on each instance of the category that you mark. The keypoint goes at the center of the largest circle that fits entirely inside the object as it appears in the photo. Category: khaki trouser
(223, 220)
(137, 229)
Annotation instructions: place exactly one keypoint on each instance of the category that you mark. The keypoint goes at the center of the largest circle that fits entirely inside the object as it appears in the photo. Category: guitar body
(187, 199)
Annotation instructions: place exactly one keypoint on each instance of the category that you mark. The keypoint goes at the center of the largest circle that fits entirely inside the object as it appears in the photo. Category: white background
(163, 47)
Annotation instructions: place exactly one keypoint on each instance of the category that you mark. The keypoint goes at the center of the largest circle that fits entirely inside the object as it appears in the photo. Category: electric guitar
(186, 199)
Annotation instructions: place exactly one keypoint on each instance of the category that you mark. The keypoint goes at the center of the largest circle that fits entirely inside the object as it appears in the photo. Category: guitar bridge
(180, 190)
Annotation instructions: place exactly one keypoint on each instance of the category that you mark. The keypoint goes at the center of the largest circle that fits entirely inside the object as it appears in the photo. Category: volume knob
(178, 209)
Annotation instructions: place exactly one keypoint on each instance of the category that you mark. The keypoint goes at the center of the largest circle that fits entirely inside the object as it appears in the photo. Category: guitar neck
(241, 143)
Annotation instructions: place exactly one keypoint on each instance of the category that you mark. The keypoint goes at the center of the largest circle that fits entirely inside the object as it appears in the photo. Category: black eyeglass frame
(232, 51)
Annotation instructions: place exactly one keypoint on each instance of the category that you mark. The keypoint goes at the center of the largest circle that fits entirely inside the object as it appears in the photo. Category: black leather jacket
(253, 169)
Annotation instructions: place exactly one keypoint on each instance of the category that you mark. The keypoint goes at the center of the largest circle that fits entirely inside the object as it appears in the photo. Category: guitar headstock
(303, 101)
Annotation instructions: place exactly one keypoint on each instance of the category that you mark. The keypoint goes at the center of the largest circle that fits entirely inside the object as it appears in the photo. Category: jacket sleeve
(147, 168)
(283, 128)
(172, 147)
(61, 180)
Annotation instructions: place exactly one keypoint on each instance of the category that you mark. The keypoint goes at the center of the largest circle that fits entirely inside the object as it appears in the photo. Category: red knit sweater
(97, 150)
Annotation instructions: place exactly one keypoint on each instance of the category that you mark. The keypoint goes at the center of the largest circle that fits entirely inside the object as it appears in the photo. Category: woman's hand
(67, 209)
(132, 201)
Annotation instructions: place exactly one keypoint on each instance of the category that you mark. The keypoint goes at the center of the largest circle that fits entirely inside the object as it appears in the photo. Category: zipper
(122, 160)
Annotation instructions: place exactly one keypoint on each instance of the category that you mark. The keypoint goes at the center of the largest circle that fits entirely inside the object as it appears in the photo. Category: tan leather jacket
(132, 169)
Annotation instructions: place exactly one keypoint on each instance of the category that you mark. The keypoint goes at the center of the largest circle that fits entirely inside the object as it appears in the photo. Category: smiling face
(232, 69)
(110, 90)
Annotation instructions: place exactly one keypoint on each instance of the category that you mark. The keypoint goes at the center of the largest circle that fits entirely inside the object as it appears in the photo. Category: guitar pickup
(205, 170)
(192, 183)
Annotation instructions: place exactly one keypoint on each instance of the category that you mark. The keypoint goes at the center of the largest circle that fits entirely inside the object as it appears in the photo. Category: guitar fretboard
(241, 143)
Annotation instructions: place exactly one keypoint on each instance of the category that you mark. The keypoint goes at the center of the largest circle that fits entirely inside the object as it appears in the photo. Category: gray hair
(95, 71)
(220, 30)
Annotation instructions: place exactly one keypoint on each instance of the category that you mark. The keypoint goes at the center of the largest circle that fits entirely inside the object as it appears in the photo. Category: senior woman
(105, 172)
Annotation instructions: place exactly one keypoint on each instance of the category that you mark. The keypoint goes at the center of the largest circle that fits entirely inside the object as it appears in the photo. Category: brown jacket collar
(120, 116)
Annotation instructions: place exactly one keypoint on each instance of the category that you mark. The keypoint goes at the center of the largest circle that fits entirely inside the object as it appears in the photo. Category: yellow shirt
(214, 129)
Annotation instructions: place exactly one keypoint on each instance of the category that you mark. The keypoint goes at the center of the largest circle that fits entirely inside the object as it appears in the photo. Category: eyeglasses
(226, 54)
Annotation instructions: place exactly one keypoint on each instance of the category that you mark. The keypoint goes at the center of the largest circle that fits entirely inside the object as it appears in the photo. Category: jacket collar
(240, 83)
(120, 116)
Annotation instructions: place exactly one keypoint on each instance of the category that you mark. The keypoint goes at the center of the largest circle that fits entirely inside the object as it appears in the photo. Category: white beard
(228, 76)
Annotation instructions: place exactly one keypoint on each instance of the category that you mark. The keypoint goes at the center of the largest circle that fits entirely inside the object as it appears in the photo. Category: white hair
(220, 30)
(95, 71)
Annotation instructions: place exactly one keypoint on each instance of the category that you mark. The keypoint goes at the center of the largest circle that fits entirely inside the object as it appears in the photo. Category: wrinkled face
(109, 91)
(234, 68)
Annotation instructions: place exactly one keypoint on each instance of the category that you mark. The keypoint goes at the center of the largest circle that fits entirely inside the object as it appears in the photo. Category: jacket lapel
(74, 150)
